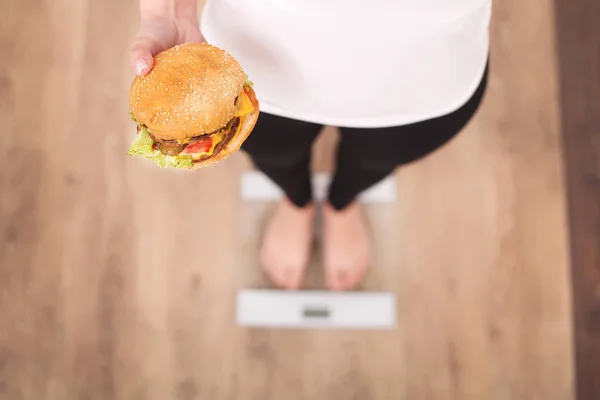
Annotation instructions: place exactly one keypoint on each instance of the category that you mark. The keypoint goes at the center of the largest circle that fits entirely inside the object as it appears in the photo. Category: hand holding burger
(191, 101)
(193, 109)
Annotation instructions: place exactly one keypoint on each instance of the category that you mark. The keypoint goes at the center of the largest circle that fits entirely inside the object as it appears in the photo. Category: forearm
(177, 8)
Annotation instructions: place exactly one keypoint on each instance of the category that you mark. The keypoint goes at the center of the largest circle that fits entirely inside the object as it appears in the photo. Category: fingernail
(141, 66)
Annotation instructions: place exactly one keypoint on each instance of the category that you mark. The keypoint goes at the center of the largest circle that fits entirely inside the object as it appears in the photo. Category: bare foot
(346, 246)
(286, 244)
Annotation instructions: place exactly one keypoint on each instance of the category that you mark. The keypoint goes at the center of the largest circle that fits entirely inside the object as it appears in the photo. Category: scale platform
(257, 186)
(316, 309)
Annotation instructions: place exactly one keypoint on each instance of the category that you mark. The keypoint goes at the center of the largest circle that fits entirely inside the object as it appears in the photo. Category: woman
(400, 78)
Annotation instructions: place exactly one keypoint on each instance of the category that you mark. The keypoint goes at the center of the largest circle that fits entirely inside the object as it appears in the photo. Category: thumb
(141, 54)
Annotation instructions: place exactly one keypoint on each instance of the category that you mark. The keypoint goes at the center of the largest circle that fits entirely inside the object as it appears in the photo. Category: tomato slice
(201, 146)
(251, 95)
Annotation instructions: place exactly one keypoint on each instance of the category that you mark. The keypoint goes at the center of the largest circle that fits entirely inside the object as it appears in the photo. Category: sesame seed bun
(190, 91)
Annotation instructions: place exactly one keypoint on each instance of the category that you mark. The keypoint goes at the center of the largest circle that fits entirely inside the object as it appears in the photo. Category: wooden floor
(578, 41)
(117, 280)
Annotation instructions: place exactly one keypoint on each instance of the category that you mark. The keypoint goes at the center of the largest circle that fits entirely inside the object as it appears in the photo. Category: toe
(291, 278)
(336, 278)
(284, 277)
(270, 267)
(345, 278)
(354, 277)
(277, 277)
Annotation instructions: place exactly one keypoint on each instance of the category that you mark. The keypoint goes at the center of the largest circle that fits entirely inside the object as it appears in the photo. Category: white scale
(257, 186)
(315, 309)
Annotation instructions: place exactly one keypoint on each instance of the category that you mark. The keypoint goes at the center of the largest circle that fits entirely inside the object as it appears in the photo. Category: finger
(194, 35)
(336, 279)
(142, 51)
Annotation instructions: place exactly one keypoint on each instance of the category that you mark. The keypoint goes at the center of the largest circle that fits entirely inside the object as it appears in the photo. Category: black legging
(281, 148)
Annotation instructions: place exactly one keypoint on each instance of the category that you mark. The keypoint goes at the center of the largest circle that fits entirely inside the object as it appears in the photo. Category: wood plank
(578, 36)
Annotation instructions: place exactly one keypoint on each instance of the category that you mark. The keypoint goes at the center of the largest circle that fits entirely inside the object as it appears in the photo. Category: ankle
(333, 210)
(303, 207)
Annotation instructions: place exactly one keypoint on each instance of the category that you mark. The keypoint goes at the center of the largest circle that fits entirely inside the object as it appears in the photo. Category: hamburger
(194, 108)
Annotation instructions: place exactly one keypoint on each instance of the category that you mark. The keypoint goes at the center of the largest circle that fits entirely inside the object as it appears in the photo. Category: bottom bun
(247, 123)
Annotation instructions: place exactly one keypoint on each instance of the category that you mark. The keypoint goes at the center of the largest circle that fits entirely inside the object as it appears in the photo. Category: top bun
(190, 91)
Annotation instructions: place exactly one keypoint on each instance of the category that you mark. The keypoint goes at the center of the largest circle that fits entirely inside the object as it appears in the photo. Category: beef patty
(173, 147)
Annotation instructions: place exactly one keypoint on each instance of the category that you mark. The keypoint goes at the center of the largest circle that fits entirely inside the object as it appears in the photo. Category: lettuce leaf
(248, 82)
(142, 146)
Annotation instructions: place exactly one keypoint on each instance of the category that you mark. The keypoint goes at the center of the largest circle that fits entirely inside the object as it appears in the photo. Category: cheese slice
(216, 139)
(243, 105)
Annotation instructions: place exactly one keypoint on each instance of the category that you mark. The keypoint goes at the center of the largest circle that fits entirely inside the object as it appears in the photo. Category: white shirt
(355, 63)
